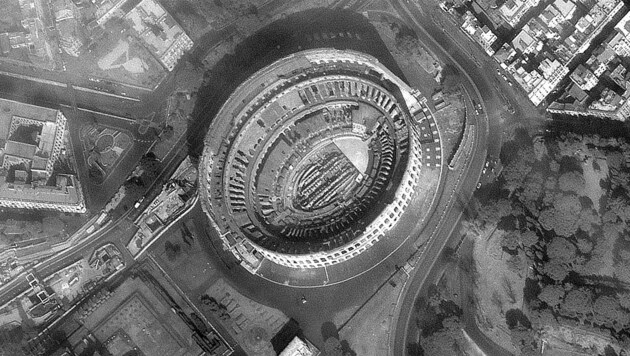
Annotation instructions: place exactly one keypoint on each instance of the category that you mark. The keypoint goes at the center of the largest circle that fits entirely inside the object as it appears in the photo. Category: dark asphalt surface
(321, 307)
(481, 78)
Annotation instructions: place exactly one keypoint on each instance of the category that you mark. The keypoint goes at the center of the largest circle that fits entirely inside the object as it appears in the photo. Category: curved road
(468, 177)
(477, 83)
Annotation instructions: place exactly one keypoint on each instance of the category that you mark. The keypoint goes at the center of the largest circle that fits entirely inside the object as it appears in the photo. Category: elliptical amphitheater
(315, 158)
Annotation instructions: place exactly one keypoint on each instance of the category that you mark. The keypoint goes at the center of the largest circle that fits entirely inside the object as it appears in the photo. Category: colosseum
(314, 158)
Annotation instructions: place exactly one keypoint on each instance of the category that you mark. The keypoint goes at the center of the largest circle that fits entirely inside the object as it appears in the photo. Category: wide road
(478, 84)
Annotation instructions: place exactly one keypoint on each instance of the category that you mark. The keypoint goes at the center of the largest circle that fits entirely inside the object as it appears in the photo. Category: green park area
(104, 147)
(19, 229)
(10, 15)
(551, 257)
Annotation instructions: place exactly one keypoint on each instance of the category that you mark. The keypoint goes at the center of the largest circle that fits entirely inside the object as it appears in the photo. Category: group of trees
(438, 319)
(148, 170)
(541, 201)
(13, 231)
(172, 250)
(215, 307)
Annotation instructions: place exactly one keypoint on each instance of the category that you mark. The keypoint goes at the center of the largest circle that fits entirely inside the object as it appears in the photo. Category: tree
(561, 250)
(584, 245)
(172, 250)
(619, 208)
(551, 295)
(332, 347)
(517, 263)
(510, 242)
(607, 311)
(167, 133)
(529, 238)
(199, 324)
(523, 340)
(588, 218)
(624, 300)
(563, 217)
(515, 318)
(444, 341)
(516, 171)
(489, 214)
(532, 188)
(577, 303)
(622, 270)
(151, 167)
(572, 182)
(556, 271)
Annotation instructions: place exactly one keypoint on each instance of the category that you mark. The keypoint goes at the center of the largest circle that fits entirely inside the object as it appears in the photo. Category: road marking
(33, 79)
(88, 90)
(100, 113)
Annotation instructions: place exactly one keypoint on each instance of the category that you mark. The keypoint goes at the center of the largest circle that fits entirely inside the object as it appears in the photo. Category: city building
(539, 68)
(320, 165)
(584, 77)
(156, 29)
(552, 73)
(107, 9)
(525, 43)
(31, 37)
(140, 315)
(600, 59)
(32, 139)
(480, 34)
(299, 347)
(36, 20)
(513, 10)
(566, 9)
(505, 55)
(159, 32)
(67, 18)
(620, 41)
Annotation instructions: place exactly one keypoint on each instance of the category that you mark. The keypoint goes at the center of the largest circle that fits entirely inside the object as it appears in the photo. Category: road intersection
(458, 188)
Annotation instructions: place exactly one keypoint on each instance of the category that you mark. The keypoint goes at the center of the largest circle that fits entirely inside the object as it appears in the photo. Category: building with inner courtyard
(32, 140)
(315, 158)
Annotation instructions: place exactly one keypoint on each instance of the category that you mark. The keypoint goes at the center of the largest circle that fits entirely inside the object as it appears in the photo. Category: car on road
(478, 107)
(478, 185)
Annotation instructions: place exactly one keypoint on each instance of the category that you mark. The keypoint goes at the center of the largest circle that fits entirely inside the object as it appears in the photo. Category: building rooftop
(623, 26)
(64, 194)
(19, 149)
(297, 347)
(41, 152)
(566, 8)
(160, 32)
(10, 108)
(523, 41)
